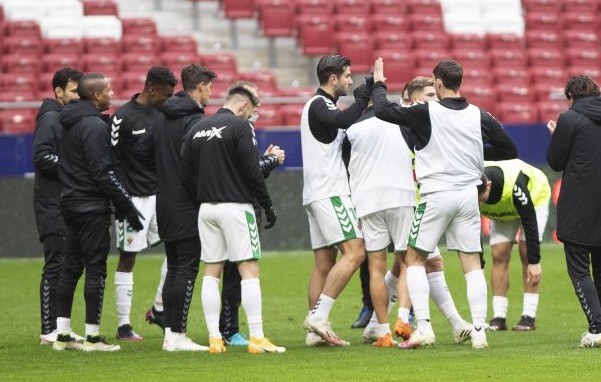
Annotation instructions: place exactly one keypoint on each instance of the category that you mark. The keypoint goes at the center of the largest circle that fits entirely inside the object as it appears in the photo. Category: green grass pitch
(549, 353)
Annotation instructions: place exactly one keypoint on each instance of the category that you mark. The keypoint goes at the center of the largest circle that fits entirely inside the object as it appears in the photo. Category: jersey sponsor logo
(210, 134)
(520, 195)
(138, 132)
(115, 126)
(417, 221)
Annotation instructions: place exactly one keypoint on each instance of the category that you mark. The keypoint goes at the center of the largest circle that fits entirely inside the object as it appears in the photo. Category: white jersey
(453, 159)
(324, 173)
(380, 170)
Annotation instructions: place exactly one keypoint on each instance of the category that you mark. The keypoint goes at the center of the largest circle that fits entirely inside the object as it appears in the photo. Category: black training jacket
(574, 149)
(86, 168)
(129, 125)
(220, 161)
(177, 214)
(46, 185)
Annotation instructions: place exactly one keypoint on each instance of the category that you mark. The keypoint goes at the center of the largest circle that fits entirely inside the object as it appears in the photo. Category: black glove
(362, 92)
(271, 217)
(369, 83)
(134, 219)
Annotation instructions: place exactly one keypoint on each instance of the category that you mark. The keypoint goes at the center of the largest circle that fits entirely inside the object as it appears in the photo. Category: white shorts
(506, 231)
(455, 214)
(228, 231)
(128, 239)
(382, 226)
(331, 221)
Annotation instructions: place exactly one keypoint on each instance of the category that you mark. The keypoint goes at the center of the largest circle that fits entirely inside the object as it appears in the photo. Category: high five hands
(379, 70)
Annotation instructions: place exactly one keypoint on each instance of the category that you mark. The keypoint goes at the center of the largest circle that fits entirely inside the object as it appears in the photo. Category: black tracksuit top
(220, 161)
(86, 167)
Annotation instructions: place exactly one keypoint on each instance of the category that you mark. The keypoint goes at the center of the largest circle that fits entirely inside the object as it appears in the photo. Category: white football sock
(158, 299)
(63, 325)
(499, 306)
(403, 314)
(476, 295)
(252, 304)
(530, 304)
(322, 309)
(391, 284)
(92, 329)
(124, 290)
(383, 329)
(439, 291)
(211, 302)
(419, 292)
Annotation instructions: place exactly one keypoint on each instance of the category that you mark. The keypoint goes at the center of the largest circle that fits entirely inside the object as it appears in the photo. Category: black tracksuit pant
(87, 245)
(53, 261)
(183, 258)
(231, 297)
(588, 290)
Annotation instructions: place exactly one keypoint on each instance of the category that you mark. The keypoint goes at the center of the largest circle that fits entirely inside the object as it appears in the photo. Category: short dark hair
(450, 73)
(159, 76)
(193, 75)
(331, 64)
(418, 83)
(89, 84)
(482, 187)
(581, 86)
(62, 77)
(241, 88)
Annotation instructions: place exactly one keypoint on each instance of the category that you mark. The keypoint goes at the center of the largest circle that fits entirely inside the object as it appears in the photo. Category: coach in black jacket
(574, 149)
(46, 193)
(89, 185)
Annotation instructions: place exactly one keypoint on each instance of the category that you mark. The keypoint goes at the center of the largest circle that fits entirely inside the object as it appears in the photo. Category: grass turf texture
(549, 353)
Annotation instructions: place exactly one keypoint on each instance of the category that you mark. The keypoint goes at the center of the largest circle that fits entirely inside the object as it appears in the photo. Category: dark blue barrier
(532, 141)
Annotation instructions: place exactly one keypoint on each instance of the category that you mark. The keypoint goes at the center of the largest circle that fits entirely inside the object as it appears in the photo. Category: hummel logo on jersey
(520, 195)
(214, 132)
(115, 126)
(138, 132)
(331, 105)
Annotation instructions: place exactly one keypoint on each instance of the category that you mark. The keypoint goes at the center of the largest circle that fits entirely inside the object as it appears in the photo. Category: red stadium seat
(517, 112)
(238, 9)
(178, 44)
(545, 6)
(481, 95)
(19, 82)
(543, 39)
(54, 62)
(546, 92)
(476, 76)
(101, 45)
(430, 58)
(315, 7)
(143, 26)
(276, 17)
(508, 58)
(19, 96)
(22, 28)
(63, 46)
(139, 62)
(430, 40)
(352, 23)
(100, 8)
(316, 34)
(543, 21)
(467, 41)
(581, 6)
(139, 44)
(359, 47)
(513, 93)
(101, 63)
(471, 58)
(265, 80)
(221, 84)
(393, 40)
(388, 7)
(301, 91)
(352, 7)
(220, 62)
(546, 58)
(291, 114)
(584, 57)
(17, 121)
(426, 7)
(390, 23)
(549, 76)
(21, 64)
(177, 61)
(269, 116)
(551, 109)
(580, 39)
(514, 76)
(505, 41)
(587, 22)
(426, 22)
(399, 68)
(22, 45)
(133, 81)
(595, 74)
